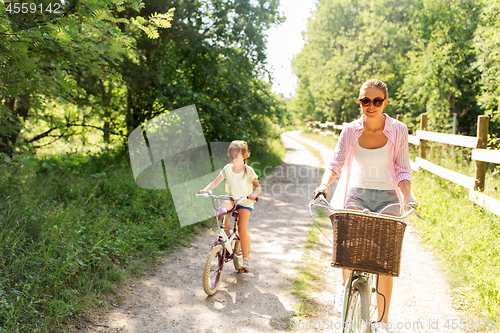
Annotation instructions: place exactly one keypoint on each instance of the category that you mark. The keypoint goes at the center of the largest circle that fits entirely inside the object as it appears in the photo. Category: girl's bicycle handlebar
(222, 210)
(320, 197)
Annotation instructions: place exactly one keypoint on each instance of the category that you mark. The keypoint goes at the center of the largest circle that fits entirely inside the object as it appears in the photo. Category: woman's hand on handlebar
(410, 200)
(202, 191)
(321, 188)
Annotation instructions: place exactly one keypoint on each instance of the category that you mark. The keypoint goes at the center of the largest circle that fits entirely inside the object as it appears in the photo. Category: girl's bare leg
(244, 215)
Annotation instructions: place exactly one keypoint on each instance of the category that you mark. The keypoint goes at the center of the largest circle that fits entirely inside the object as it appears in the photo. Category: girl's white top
(239, 184)
(370, 168)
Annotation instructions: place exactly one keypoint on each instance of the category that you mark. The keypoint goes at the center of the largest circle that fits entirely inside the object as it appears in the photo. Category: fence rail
(451, 139)
(484, 155)
(480, 155)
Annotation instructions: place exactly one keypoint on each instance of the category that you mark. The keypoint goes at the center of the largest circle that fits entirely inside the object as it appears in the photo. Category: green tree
(422, 49)
(487, 51)
(212, 56)
(40, 49)
(347, 43)
(440, 78)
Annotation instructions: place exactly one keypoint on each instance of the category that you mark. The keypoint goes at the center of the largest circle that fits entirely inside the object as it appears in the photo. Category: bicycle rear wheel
(358, 315)
(236, 250)
(212, 272)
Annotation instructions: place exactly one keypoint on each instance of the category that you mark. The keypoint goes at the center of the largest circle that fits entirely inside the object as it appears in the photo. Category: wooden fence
(327, 128)
(480, 156)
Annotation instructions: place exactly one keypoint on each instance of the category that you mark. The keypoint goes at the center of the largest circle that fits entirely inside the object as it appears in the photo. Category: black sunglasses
(377, 101)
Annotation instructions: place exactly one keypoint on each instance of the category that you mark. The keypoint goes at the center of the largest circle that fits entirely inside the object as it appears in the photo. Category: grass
(459, 159)
(271, 155)
(73, 227)
(467, 237)
(308, 277)
(327, 140)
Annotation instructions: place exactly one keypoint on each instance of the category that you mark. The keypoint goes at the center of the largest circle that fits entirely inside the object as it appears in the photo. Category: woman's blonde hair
(375, 83)
(243, 148)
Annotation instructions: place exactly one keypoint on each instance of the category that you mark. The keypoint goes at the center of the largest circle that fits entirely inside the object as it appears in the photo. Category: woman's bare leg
(347, 272)
(384, 288)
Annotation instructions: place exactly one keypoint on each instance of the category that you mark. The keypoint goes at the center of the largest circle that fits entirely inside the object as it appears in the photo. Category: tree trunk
(11, 126)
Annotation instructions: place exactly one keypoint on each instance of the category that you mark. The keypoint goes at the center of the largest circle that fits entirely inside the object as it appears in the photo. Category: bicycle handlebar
(209, 194)
(320, 197)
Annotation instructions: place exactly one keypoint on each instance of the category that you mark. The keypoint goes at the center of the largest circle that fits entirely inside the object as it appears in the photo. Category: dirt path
(173, 300)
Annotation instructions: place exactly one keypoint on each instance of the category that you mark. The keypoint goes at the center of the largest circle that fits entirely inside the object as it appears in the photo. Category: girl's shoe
(244, 266)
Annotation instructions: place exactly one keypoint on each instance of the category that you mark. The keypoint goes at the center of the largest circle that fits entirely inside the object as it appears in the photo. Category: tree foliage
(41, 49)
(423, 49)
(487, 48)
(212, 56)
(114, 69)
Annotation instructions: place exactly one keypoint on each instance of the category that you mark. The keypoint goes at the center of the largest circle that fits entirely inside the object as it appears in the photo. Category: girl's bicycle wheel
(358, 316)
(236, 250)
(212, 272)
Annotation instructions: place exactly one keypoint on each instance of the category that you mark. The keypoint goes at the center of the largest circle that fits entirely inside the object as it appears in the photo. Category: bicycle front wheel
(212, 272)
(358, 315)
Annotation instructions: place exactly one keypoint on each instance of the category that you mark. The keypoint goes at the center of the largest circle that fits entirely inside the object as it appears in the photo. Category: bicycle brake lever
(414, 205)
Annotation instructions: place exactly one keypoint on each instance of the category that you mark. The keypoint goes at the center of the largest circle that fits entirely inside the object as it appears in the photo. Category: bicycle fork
(226, 241)
(355, 281)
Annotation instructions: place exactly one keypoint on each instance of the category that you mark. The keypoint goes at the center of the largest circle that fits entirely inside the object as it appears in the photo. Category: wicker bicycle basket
(367, 243)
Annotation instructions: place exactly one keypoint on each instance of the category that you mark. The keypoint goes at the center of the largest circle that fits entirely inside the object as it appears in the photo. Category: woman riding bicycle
(372, 156)
(241, 181)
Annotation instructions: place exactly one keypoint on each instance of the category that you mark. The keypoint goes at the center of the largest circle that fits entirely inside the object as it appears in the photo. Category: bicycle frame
(226, 241)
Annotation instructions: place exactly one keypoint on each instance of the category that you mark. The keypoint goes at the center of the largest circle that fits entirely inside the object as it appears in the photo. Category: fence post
(454, 123)
(399, 117)
(423, 127)
(482, 134)
(454, 132)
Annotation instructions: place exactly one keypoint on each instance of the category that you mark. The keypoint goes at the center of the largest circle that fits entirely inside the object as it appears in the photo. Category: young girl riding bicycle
(241, 181)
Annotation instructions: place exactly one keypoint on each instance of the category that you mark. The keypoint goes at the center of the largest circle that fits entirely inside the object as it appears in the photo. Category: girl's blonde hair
(375, 83)
(242, 146)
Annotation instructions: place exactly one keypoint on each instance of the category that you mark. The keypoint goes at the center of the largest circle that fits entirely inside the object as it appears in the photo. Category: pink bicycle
(225, 247)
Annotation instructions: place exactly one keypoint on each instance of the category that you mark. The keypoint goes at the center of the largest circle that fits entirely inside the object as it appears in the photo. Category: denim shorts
(240, 206)
(374, 200)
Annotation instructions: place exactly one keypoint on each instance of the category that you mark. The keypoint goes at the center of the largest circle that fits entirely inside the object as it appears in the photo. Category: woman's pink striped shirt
(397, 134)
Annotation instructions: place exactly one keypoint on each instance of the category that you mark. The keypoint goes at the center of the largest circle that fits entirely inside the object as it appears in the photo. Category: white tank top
(370, 168)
